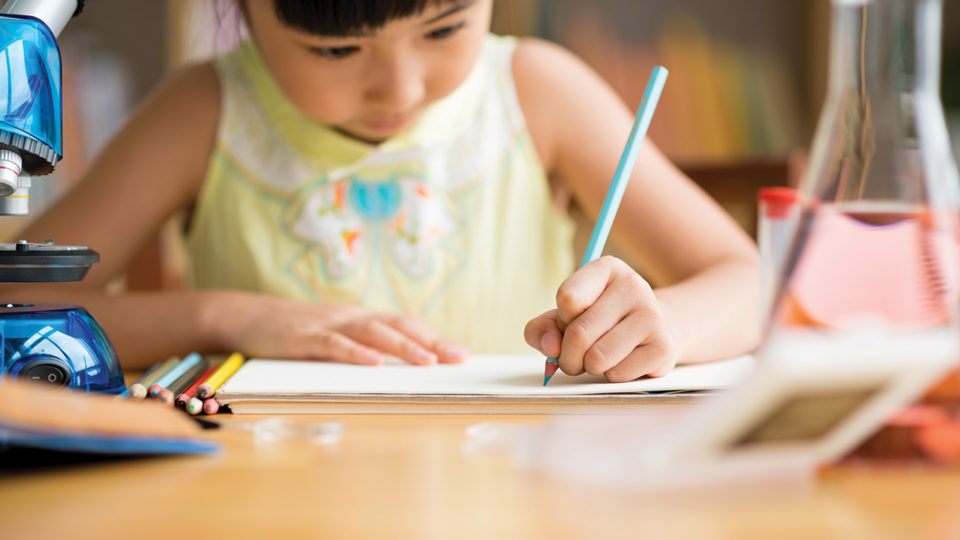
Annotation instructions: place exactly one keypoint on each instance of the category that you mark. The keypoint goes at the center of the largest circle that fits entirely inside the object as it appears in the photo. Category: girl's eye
(446, 31)
(334, 52)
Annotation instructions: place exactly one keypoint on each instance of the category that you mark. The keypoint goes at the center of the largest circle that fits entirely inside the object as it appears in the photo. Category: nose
(397, 83)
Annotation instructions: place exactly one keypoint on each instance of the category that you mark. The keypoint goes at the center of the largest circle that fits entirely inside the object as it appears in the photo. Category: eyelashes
(334, 52)
(337, 53)
(446, 31)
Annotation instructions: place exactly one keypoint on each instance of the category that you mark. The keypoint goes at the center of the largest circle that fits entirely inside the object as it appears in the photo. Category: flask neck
(884, 46)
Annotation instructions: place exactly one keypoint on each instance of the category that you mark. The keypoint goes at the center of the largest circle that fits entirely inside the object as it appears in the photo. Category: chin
(366, 137)
(373, 134)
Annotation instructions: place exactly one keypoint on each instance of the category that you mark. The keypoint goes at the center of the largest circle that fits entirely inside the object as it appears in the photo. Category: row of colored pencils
(190, 383)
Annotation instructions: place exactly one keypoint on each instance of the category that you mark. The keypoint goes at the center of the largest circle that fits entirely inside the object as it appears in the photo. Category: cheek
(314, 92)
(322, 99)
(325, 105)
(322, 102)
(451, 69)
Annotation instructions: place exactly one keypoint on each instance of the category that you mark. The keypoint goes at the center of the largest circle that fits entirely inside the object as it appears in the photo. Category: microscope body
(56, 343)
(30, 94)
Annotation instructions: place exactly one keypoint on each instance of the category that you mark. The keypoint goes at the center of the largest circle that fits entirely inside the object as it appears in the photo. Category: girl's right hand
(264, 326)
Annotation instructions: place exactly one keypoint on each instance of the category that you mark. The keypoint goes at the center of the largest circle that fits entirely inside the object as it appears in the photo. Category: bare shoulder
(556, 90)
(197, 80)
(179, 118)
(191, 92)
(151, 168)
(538, 62)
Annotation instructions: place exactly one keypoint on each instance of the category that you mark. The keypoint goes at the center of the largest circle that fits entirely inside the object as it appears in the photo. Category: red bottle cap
(778, 201)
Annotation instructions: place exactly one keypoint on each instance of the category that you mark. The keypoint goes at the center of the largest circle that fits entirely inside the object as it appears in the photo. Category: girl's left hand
(608, 322)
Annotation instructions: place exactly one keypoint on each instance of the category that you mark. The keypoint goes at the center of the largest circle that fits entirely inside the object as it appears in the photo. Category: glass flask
(872, 267)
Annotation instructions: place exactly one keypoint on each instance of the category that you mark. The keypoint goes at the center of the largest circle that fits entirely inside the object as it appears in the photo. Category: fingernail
(426, 357)
(549, 344)
(373, 358)
(455, 351)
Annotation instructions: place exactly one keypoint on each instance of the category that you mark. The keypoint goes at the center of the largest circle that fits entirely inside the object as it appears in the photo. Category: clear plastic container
(875, 248)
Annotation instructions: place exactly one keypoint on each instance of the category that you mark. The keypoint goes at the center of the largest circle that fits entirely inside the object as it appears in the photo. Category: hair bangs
(346, 17)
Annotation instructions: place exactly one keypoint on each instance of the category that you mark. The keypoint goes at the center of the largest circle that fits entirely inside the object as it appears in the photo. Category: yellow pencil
(220, 376)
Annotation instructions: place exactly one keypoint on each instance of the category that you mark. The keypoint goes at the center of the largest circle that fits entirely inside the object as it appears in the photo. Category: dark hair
(346, 17)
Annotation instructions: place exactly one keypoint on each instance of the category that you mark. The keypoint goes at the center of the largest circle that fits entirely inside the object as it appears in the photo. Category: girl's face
(372, 85)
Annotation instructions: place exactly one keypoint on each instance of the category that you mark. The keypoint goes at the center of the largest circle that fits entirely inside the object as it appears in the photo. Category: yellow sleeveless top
(450, 220)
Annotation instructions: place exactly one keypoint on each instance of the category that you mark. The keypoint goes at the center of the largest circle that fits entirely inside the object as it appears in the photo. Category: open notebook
(511, 383)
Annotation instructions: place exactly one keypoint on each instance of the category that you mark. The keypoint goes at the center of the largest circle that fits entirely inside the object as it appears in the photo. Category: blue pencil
(167, 378)
(619, 183)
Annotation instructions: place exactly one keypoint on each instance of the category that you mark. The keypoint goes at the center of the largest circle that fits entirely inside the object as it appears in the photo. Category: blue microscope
(61, 344)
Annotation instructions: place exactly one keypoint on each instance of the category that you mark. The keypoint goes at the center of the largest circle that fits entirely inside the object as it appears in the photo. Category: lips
(388, 124)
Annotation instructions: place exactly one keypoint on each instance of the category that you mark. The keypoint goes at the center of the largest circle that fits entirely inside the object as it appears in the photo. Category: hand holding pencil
(607, 319)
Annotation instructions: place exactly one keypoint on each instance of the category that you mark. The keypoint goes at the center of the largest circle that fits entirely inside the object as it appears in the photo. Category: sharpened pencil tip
(549, 369)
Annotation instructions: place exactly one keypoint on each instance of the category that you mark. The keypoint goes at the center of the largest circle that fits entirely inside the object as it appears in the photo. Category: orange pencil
(191, 390)
(220, 376)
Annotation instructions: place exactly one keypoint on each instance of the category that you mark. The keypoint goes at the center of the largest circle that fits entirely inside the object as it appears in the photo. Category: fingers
(586, 329)
(543, 334)
(350, 334)
(653, 359)
(612, 324)
(427, 337)
(579, 291)
(622, 314)
(383, 337)
(614, 346)
(338, 347)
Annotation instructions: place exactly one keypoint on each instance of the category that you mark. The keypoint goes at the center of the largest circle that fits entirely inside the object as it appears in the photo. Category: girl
(377, 177)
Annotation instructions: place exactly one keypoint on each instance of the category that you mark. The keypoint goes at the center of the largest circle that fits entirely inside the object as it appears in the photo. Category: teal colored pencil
(167, 378)
(168, 395)
(619, 183)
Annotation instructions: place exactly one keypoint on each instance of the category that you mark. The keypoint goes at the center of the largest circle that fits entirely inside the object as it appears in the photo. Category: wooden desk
(407, 476)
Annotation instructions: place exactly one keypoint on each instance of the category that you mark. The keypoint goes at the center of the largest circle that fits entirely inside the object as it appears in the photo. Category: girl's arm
(153, 167)
(707, 304)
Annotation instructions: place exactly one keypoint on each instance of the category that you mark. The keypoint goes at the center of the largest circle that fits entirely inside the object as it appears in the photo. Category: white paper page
(484, 375)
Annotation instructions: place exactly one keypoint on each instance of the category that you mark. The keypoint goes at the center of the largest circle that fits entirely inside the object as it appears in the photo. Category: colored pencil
(169, 377)
(194, 406)
(211, 406)
(166, 397)
(138, 390)
(191, 391)
(220, 376)
(619, 183)
(168, 394)
(139, 383)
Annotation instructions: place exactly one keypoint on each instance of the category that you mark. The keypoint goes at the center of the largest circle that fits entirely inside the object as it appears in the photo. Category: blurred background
(746, 85)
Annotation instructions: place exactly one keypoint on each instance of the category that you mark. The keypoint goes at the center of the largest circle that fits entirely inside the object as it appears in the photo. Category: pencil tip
(549, 369)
